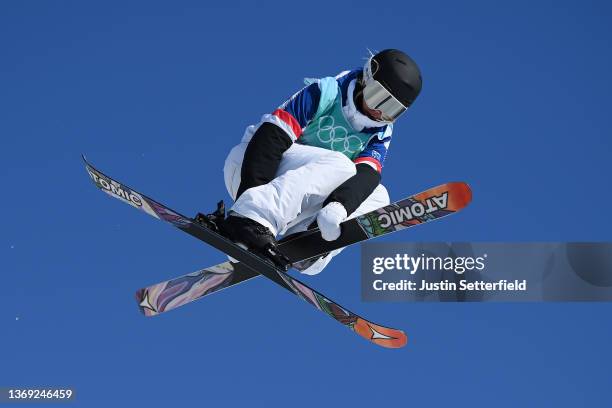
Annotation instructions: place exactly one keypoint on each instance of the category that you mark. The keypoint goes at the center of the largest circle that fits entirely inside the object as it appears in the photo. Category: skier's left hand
(329, 219)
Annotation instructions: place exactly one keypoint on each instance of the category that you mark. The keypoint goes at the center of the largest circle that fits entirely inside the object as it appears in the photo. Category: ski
(168, 295)
(380, 335)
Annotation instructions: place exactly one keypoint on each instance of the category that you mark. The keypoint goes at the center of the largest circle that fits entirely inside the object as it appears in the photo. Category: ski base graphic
(380, 335)
(168, 295)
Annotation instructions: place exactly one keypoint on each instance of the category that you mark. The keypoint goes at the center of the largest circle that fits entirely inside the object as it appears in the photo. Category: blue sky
(515, 101)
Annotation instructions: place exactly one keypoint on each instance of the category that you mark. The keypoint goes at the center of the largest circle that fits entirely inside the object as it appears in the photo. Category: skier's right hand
(329, 219)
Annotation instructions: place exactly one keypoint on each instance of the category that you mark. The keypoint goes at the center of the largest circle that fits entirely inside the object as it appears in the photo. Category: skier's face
(371, 113)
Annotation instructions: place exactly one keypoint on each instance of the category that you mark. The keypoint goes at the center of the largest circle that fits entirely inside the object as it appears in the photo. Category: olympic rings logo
(337, 137)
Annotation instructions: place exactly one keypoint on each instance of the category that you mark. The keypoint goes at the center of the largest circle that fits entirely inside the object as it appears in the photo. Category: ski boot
(255, 237)
(246, 233)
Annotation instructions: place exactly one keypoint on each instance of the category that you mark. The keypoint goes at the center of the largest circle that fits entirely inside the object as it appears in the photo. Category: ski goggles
(377, 97)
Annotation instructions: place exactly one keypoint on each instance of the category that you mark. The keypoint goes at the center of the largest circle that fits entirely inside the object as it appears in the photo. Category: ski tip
(459, 194)
(380, 335)
(144, 303)
(461, 191)
(460, 185)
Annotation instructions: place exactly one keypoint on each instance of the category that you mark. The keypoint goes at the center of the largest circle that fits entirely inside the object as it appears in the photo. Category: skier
(318, 157)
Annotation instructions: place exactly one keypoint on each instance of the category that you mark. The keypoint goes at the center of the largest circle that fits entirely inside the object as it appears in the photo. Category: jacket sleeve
(355, 190)
(375, 152)
(275, 135)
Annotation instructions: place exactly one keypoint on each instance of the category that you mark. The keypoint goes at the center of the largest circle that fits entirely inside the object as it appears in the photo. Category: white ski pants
(289, 203)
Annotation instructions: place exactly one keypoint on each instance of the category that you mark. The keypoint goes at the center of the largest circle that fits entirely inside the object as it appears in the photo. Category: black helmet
(392, 81)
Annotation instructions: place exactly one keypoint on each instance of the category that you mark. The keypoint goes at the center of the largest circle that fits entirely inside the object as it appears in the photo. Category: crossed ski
(429, 205)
